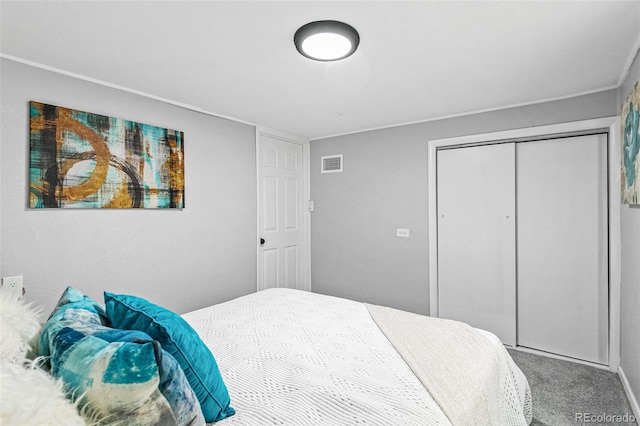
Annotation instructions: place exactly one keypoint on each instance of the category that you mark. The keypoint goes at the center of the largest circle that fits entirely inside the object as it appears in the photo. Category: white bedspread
(290, 357)
(467, 371)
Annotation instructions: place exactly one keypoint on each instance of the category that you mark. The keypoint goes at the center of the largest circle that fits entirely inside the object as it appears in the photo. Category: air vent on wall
(332, 163)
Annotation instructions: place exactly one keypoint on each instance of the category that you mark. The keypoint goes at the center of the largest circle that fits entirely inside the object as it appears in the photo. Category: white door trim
(610, 125)
(306, 172)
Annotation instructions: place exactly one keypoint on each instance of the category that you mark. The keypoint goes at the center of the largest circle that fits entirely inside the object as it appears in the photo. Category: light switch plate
(402, 233)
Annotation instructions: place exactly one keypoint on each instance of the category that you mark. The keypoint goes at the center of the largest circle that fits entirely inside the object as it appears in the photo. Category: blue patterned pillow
(119, 375)
(180, 340)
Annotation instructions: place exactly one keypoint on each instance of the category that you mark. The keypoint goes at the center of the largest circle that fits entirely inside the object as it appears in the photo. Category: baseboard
(561, 357)
(630, 396)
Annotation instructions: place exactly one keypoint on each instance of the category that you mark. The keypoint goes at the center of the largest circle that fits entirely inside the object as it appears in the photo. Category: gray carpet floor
(567, 393)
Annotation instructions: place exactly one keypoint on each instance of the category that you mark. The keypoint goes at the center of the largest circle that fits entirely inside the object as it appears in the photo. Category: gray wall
(184, 260)
(630, 274)
(354, 250)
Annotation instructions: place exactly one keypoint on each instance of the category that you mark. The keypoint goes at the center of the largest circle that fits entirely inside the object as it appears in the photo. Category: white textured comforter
(290, 357)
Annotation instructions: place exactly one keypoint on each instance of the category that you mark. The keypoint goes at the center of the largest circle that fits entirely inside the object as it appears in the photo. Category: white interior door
(562, 246)
(282, 254)
(476, 237)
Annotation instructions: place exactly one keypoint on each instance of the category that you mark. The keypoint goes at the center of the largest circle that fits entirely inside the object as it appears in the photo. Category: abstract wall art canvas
(84, 160)
(630, 122)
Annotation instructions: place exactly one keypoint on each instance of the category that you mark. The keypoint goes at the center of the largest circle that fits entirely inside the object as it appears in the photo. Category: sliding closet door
(476, 237)
(562, 246)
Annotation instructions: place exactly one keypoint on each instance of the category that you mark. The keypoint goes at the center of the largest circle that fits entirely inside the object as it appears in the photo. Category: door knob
(262, 241)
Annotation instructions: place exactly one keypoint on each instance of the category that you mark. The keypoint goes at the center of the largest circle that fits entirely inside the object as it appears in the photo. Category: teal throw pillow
(116, 375)
(179, 339)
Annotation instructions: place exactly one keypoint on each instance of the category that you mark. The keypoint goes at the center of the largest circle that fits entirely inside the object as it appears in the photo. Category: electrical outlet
(13, 285)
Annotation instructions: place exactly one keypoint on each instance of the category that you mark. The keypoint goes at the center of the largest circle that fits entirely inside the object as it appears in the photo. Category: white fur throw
(18, 326)
(28, 395)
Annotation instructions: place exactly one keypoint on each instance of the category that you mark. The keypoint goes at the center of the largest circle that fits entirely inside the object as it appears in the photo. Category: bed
(294, 357)
(276, 357)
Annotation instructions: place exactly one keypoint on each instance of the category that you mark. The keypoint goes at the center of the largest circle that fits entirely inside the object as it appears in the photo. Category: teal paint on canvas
(630, 168)
(84, 160)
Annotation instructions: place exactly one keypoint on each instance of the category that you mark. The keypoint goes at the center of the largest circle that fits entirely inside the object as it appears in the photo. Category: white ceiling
(417, 60)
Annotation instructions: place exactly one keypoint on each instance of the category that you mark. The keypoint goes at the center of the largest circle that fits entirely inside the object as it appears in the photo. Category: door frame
(610, 125)
(306, 219)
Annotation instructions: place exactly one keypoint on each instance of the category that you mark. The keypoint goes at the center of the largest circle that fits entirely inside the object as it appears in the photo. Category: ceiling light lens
(326, 40)
(326, 46)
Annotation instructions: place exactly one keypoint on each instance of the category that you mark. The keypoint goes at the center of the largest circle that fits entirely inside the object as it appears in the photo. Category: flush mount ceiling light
(326, 40)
